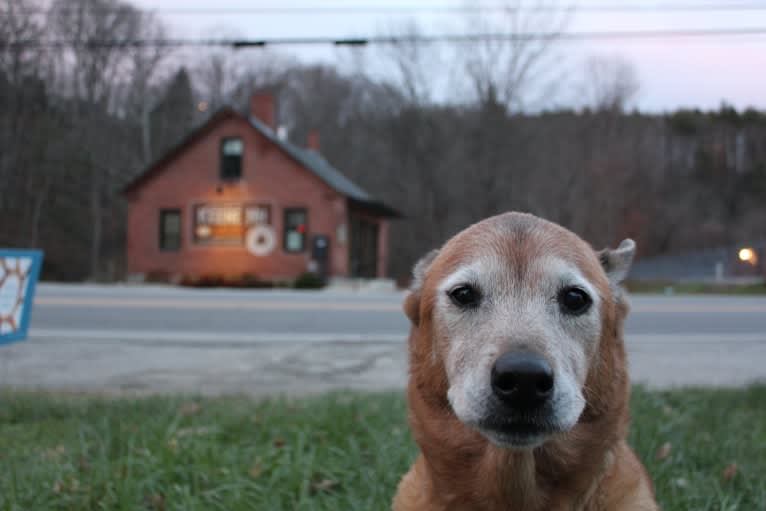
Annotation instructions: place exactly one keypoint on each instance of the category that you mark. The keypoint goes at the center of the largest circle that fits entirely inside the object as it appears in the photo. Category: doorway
(363, 254)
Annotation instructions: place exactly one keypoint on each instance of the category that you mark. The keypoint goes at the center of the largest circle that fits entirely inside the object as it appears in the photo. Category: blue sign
(19, 270)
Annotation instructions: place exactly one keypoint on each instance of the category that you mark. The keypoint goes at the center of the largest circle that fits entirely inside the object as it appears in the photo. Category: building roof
(311, 160)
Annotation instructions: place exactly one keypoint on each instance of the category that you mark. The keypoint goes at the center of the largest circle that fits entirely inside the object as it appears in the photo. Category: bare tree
(142, 85)
(100, 36)
(230, 77)
(610, 83)
(19, 63)
(18, 25)
(216, 76)
(265, 70)
(417, 67)
(72, 133)
(514, 50)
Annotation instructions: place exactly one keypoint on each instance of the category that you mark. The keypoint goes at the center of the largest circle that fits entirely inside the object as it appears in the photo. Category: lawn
(706, 450)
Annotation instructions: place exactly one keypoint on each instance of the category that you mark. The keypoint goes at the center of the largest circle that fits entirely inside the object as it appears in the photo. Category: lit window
(231, 158)
(170, 229)
(295, 230)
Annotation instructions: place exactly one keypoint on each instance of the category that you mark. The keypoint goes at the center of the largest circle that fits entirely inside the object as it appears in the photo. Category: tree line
(80, 120)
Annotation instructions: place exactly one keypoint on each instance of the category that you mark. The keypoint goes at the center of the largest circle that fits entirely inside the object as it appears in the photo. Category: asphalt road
(301, 315)
(143, 339)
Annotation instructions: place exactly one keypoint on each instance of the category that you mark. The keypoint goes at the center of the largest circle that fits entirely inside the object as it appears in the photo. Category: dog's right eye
(464, 296)
(574, 300)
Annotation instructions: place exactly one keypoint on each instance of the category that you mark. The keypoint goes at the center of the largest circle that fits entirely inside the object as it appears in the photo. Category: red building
(233, 199)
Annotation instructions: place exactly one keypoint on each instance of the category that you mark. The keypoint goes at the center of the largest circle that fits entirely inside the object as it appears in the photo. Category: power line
(346, 9)
(391, 40)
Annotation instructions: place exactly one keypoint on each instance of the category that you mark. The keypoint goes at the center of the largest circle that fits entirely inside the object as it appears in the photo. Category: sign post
(19, 270)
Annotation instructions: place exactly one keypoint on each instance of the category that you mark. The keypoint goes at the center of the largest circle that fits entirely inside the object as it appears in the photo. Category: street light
(747, 255)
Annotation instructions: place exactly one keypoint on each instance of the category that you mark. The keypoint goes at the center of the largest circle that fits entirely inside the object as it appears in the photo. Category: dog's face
(515, 308)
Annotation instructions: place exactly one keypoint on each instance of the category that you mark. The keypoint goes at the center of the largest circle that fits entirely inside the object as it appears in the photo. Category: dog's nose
(522, 379)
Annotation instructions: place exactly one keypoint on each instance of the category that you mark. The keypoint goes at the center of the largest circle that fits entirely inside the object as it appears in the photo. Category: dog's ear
(616, 263)
(412, 301)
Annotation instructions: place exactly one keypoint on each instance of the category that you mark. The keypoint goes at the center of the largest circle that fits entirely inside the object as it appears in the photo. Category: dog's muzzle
(523, 387)
(522, 381)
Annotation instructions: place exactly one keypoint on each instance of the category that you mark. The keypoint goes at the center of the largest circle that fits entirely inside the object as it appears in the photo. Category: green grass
(333, 452)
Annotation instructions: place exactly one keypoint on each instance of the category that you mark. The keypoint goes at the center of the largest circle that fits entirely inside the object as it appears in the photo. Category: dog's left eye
(574, 300)
(464, 296)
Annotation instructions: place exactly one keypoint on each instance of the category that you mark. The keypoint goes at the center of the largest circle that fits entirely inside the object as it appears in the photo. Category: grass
(694, 288)
(335, 452)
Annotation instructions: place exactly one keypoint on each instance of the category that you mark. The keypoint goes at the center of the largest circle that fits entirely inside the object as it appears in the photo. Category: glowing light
(748, 255)
(202, 106)
(203, 231)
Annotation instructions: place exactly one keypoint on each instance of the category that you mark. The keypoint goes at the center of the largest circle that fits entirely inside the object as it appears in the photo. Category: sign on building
(228, 224)
(19, 270)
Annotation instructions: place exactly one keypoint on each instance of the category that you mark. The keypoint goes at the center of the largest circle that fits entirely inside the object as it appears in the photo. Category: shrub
(210, 280)
(244, 280)
(251, 280)
(158, 277)
(309, 280)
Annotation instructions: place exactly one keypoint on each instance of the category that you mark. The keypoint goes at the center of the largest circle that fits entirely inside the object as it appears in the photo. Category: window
(231, 158)
(170, 229)
(257, 214)
(295, 230)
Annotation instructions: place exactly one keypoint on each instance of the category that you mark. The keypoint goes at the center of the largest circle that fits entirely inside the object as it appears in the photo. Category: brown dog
(518, 390)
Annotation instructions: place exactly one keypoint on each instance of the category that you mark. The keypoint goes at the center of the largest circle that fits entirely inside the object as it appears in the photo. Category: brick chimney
(312, 141)
(263, 108)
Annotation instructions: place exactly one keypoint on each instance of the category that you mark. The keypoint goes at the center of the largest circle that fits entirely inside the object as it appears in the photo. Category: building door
(364, 248)
(320, 252)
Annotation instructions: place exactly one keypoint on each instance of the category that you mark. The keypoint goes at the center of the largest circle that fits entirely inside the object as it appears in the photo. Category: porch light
(748, 255)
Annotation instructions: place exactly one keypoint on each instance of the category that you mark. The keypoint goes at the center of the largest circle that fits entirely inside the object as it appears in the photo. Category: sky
(691, 73)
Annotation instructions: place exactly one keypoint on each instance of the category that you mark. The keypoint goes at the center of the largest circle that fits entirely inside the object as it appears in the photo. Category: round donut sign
(260, 240)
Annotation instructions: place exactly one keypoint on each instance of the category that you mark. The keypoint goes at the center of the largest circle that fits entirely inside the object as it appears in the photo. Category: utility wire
(392, 40)
(347, 9)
